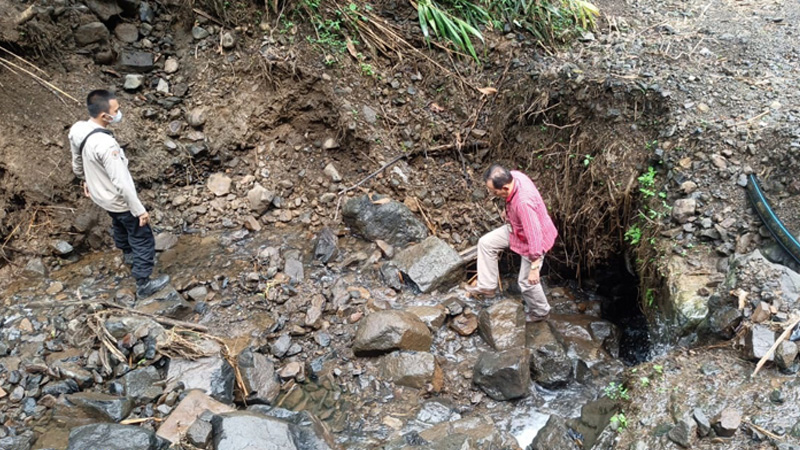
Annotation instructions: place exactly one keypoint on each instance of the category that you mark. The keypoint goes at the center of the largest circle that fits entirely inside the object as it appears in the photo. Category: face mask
(116, 118)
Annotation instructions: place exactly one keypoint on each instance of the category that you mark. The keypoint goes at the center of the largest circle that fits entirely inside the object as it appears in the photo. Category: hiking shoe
(127, 259)
(475, 291)
(148, 286)
(533, 318)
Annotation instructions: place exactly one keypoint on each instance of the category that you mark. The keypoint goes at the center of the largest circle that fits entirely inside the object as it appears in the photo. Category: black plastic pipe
(785, 238)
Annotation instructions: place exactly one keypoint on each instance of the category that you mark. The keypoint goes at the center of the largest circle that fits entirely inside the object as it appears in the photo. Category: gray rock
(429, 265)
(60, 388)
(330, 144)
(553, 435)
(727, 422)
(434, 412)
(332, 173)
(392, 222)
(594, 420)
(294, 269)
(212, 374)
(199, 434)
(61, 248)
(503, 375)
(412, 369)
(786, 356)
(326, 246)
(550, 365)
(384, 331)
(171, 65)
(127, 32)
(309, 432)
(143, 385)
(198, 293)
(166, 302)
(370, 115)
(146, 13)
(104, 9)
(723, 321)
(219, 184)
(682, 433)
(259, 377)
(281, 345)
(683, 209)
(758, 341)
(23, 441)
(433, 316)
(228, 40)
(242, 430)
(260, 198)
(196, 117)
(199, 33)
(502, 325)
(35, 268)
(105, 436)
(165, 241)
(703, 425)
(133, 82)
(103, 406)
(162, 86)
(137, 61)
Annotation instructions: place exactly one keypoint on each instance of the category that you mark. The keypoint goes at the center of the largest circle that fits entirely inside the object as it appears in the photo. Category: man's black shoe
(147, 287)
(127, 258)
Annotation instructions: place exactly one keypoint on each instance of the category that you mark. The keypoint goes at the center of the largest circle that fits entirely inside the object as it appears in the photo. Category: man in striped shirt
(529, 232)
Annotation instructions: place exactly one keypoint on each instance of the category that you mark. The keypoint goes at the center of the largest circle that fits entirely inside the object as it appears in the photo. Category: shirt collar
(513, 191)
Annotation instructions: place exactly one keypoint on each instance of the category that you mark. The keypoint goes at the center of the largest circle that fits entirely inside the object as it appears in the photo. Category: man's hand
(85, 189)
(533, 275)
(144, 219)
(503, 216)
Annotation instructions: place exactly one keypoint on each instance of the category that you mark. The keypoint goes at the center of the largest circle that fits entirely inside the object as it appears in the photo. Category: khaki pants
(489, 247)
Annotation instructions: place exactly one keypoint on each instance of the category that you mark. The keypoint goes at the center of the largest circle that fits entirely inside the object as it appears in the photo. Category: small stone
(330, 144)
(35, 268)
(758, 341)
(127, 32)
(281, 346)
(54, 288)
(133, 82)
(25, 325)
(370, 115)
(91, 33)
(742, 180)
(199, 33)
(762, 313)
(260, 198)
(137, 61)
(219, 184)
(703, 425)
(165, 241)
(228, 40)
(682, 433)
(199, 434)
(291, 370)
(702, 107)
(332, 173)
(196, 117)
(61, 248)
(163, 86)
(386, 249)
(684, 209)
(727, 422)
(198, 293)
(171, 65)
(775, 105)
(719, 161)
(786, 355)
(252, 224)
(465, 324)
(688, 187)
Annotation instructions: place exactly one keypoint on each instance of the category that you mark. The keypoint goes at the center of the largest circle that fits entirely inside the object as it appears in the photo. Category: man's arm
(121, 178)
(532, 230)
(77, 159)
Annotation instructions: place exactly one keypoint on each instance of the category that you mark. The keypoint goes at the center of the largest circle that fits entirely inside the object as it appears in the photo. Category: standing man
(98, 159)
(530, 233)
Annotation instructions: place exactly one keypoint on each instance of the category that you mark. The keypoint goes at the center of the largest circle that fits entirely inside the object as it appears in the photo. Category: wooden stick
(40, 79)
(139, 420)
(25, 15)
(758, 428)
(24, 60)
(778, 341)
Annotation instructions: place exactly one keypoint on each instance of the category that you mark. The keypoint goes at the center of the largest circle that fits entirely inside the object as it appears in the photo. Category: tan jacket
(104, 167)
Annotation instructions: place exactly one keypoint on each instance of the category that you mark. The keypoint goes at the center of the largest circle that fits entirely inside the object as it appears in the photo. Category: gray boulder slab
(502, 325)
(503, 375)
(105, 436)
(391, 221)
(138, 61)
(245, 430)
(104, 406)
(553, 436)
(758, 341)
(166, 302)
(259, 377)
(142, 385)
(187, 412)
(429, 265)
(91, 33)
(384, 331)
(213, 375)
(550, 365)
(412, 369)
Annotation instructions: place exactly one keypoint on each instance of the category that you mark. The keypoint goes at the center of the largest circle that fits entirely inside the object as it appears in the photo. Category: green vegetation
(616, 391)
(634, 234)
(619, 421)
(460, 21)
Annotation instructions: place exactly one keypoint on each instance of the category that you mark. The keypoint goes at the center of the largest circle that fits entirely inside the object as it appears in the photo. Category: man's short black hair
(499, 175)
(97, 102)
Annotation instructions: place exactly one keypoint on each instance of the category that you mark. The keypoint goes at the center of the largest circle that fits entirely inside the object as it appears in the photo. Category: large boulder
(685, 307)
(106, 436)
(143, 385)
(412, 369)
(758, 341)
(550, 365)
(90, 33)
(433, 316)
(308, 430)
(245, 430)
(429, 265)
(480, 429)
(502, 325)
(167, 302)
(503, 375)
(374, 218)
(385, 331)
(586, 346)
(258, 377)
(213, 375)
(187, 412)
(554, 435)
(103, 406)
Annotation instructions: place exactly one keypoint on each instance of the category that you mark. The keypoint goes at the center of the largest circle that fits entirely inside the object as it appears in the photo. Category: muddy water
(355, 402)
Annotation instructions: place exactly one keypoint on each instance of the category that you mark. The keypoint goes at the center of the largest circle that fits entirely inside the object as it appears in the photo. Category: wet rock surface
(503, 375)
(383, 331)
(502, 325)
(391, 221)
(429, 265)
(114, 437)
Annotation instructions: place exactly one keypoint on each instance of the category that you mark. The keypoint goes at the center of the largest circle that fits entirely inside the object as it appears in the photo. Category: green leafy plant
(619, 421)
(634, 234)
(587, 159)
(367, 70)
(658, 369)
(650, 296)
(616, 391)
(644, 381)
(436, 19)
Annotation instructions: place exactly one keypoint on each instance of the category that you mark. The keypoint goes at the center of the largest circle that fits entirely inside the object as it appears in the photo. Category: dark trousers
(131, 238)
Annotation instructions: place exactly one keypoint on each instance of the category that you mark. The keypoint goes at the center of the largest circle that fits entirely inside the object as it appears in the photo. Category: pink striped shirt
(533, 232)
